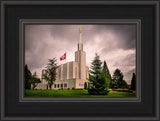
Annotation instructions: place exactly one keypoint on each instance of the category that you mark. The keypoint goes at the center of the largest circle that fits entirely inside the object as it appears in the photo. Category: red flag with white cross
(63, 57)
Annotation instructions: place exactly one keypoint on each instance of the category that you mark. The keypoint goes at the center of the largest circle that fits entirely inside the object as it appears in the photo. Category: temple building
(71, 74)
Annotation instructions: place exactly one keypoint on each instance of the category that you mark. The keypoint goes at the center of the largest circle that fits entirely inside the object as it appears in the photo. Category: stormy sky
(114, 43)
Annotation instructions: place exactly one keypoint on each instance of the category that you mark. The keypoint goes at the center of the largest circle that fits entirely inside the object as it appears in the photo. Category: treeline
(31, 80)
(101, 81)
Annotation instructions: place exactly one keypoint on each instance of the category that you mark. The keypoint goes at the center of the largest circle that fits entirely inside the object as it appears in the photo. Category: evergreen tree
(106, 72)
(97, 78)
(133, 82)
(50, 72)
(28, 76)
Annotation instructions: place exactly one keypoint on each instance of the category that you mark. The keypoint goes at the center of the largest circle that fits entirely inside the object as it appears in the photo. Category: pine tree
(107, 73)
(28, 76)
(50, 72)
(97, 78)
(133, 82)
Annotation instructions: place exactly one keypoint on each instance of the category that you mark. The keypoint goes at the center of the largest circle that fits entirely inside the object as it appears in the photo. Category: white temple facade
(71, 74)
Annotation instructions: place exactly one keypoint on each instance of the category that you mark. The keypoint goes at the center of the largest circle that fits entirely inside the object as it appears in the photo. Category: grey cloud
(130, 72)
(129, 60)
(125, 33)
(129, 75)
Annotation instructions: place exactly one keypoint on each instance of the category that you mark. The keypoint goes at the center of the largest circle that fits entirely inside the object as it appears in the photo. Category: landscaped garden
(100, 84)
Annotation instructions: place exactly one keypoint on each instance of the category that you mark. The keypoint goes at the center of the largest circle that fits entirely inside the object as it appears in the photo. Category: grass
(73, 93)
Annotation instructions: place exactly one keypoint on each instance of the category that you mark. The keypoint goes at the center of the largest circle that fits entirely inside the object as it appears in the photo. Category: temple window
(65, 85)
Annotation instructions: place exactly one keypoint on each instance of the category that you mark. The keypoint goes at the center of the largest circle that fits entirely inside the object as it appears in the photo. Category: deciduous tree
(34, 80)
(117, 80)
(50, 72)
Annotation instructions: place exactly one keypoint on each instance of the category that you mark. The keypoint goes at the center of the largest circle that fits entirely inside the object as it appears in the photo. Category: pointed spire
(80, 45)
(79, 35)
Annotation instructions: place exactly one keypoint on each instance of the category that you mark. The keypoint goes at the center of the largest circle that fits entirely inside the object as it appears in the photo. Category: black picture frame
(13, 108)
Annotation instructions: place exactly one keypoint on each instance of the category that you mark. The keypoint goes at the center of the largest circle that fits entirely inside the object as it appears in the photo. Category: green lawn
(73, 93)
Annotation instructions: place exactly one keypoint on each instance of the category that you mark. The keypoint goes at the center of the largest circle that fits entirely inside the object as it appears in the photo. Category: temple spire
(80, 35)
(80, 45)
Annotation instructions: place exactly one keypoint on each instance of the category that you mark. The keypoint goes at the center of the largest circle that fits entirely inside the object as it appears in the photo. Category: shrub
(73, 88)
(115, 89)
(98, 91)
(85, 85)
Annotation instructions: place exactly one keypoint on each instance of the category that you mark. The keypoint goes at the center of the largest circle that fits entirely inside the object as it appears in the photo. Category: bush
(98, 91)
(89, 86)
(115, 89)
(85, 85)
(73, 88)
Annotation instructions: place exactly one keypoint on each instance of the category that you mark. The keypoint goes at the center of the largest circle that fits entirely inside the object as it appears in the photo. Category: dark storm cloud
(38, 48)
(125, 33)
(71, 33)
(114, 43)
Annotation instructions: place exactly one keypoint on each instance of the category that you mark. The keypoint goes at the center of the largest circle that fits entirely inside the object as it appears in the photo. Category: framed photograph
(82, 74)
(80, 60)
